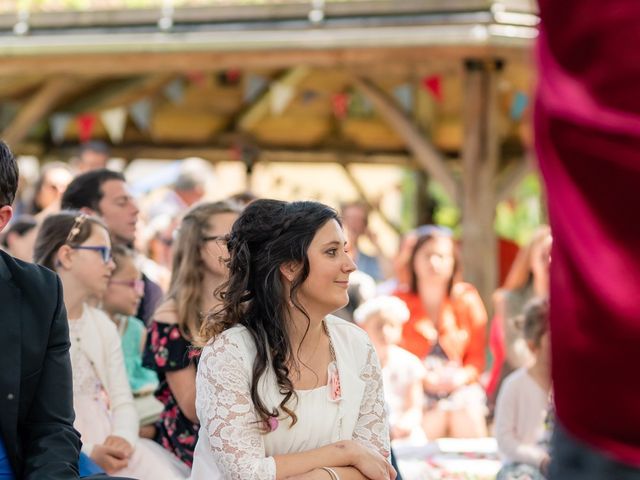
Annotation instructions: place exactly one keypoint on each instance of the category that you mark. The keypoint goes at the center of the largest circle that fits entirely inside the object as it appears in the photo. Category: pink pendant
(273, 423)
(333, 383)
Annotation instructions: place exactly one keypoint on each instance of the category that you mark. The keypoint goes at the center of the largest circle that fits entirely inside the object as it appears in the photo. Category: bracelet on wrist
(332, 472)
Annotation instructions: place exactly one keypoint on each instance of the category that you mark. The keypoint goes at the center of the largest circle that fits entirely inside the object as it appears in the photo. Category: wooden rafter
(425, 153)
(124, 64)
(118, 93)
(223, 154)
(37, 107)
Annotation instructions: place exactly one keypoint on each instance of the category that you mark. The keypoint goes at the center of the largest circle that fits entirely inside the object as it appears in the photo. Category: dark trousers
(573, 460)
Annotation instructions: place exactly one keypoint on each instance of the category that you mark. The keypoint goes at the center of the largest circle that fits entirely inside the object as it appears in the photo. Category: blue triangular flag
(404, 96)
(254, 86)
(519, 105)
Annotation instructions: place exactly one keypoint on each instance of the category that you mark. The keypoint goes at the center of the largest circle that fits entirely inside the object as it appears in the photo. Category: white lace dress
(231, 445)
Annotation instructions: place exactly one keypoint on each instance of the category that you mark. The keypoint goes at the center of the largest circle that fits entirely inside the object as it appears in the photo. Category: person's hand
(452, 379)
(370, 463)
(119, 443)
(108, 458)
(544, 465)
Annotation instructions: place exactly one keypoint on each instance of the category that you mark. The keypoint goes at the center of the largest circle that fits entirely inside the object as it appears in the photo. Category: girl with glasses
(121, 302)
(78, 248)
(199, 254)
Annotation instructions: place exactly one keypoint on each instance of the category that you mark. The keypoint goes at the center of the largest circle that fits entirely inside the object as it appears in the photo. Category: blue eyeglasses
(105, 252)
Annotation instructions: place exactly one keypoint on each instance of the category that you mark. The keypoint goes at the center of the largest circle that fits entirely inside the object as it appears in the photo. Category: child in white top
(78, 248)
(402, 372)
(523, 403)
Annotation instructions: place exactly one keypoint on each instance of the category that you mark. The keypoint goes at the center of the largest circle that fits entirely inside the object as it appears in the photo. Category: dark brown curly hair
(268, 234)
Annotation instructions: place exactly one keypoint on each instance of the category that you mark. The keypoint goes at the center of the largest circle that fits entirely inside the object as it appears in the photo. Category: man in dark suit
(37, 438)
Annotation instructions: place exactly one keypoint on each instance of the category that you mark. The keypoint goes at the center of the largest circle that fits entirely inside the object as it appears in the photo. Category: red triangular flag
(340, 105)
(85, 126)
(433, 85)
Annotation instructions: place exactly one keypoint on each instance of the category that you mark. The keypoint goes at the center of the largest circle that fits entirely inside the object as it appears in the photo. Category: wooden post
(480, 168)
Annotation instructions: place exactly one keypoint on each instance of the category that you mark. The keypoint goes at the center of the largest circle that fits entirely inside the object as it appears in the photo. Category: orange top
(461, 330)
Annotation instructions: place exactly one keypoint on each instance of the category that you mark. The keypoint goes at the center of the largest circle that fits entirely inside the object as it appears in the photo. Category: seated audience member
(105, 193)
(523, 407)
(447, 331)
(528, 278)
(37, 438)
(284, 388)
(49, 187)
(19, 237)
(78, 248)
(355, 218)
(198, 269)
(120, 302)
(92, 155)
(402, 372)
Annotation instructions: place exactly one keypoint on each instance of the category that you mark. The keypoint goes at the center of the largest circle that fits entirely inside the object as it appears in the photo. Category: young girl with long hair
(78, 248)
(284, 389)
(198, 269)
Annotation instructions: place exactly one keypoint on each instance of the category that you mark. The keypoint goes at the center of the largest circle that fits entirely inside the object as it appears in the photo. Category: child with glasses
(121, 302)
(78, 248)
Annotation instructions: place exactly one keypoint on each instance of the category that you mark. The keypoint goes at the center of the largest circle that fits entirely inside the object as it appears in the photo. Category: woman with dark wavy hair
(284, 389)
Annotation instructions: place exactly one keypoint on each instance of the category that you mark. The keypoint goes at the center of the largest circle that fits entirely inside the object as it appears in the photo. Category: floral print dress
(168, 351)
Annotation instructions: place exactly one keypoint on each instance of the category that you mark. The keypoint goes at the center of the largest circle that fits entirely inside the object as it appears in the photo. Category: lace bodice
(85, 378)
(232, 443)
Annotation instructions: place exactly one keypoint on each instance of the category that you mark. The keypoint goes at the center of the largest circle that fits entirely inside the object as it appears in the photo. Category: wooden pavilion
(438, 86)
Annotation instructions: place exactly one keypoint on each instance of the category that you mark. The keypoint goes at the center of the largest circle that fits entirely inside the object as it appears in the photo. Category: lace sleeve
(372, 427)
(223, 405)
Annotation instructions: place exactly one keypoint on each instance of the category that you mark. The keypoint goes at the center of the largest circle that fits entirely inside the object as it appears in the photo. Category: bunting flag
(175, 90)
(404, 96)
(281, 96)
(519, 105)
(433, 85)
(85, 126)
(197, 78)
(58, 123)
(340, 104)
(254, 85)
(141, 114)
(114, 121)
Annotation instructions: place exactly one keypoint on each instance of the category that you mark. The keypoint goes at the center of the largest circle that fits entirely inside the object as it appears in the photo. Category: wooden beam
(262, 106)
(118, 93)
(37, 107)
(125, 64)
(363, 197)
(425, 153)
(479, 161)
(223, 154)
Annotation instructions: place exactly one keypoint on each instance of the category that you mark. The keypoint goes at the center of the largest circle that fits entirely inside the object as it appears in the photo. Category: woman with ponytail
(198, 269)
(284, 389)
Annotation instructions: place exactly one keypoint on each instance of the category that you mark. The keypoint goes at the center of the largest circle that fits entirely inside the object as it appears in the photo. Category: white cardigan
(101, 342)
(231, 445)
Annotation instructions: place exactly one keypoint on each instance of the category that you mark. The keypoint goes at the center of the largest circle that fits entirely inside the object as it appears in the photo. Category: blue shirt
(6, 472)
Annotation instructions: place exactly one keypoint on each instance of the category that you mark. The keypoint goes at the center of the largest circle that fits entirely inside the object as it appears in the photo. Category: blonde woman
(198, 269)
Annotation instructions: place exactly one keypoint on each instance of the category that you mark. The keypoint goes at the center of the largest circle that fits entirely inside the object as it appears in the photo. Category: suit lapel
(10, 342)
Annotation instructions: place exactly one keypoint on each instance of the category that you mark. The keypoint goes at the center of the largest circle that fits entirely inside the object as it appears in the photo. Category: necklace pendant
(333, 383)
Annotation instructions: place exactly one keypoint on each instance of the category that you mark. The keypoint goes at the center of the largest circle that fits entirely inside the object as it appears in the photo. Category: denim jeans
(573, 460)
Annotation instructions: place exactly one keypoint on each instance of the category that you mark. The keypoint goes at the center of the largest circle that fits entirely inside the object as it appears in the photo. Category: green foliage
(516, 218)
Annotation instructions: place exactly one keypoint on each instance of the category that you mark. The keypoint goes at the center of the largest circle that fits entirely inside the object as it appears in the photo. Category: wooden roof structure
(437, 85)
